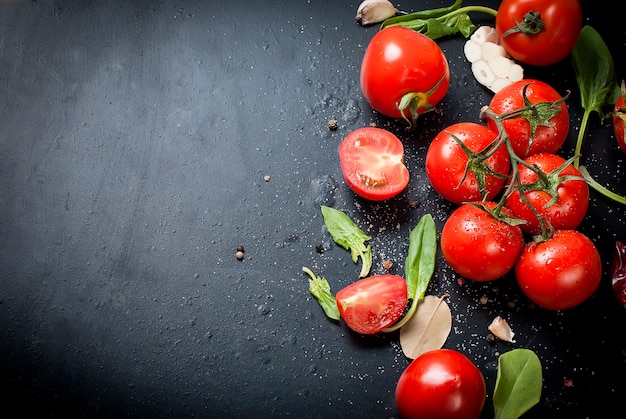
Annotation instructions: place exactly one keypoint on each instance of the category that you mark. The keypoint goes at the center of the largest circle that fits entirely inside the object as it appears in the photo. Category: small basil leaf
(518, 383)
(346, 234)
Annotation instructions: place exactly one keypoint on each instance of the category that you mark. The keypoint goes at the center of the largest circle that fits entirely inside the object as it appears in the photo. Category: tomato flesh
(399, 61)
(372, 304)
(372, 163)
(477, 245)
(443, 384)
(559, 273)
(563, 20)
(552, 127)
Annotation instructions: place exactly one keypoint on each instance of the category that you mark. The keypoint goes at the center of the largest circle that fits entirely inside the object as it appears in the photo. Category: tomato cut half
(372, 163)
(372, 304)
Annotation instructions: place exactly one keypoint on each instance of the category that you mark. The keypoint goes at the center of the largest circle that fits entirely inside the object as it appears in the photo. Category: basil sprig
(346, 234)
(419, 266)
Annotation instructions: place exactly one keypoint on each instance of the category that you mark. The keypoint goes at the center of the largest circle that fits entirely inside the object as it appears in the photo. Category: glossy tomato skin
(549, 135)
(372, 304)
(398, 61)
(372, 163)
(619, 115)
(446, 163)
(573, 196)
(442, 384)
(561, 272)
(478, 246)
(563, 21)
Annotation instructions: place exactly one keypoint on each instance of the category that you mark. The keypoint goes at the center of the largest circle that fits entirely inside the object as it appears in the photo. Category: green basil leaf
(420, 261)
(518, 383)
(346, 234)
(595, 72)
(320, 289)
(419, 266)
(422, 15)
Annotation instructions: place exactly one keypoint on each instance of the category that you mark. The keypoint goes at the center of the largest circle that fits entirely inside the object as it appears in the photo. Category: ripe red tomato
(619, 116)
(442, 384)
(402, 68)
(532, 132)
(572, 202)
(446, 163)
(539, 45)
(372, 163)
(559, 273)
(477, 245)
(372, 304)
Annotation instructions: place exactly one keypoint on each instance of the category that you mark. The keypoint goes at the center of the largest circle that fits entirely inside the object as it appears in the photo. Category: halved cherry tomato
(455, 175)
(372, 304)
(561, 272)
(619, 116)
(442, 384)
(404, 73)
(572, 195)
(543, 129)
(372, 163)
(539, 32)
(479, 246)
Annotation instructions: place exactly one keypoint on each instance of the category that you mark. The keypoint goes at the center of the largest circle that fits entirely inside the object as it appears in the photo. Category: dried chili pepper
(618, 270)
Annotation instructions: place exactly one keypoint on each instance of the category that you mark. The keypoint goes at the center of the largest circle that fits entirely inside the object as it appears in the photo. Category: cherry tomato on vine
(539, 32)
(442, 384)
(619, 116)
(372, 163)
(543, 129)
(447, 162)
(572, 195)
(561, 272)
(479, 246)
(403, 73)
(372, 304)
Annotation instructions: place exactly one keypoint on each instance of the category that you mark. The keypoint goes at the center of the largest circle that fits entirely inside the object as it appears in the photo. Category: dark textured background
(134, 141)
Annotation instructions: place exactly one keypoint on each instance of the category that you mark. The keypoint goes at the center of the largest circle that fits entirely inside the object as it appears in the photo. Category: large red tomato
(479, 246)
(619, 116)
(539, 32)
(372, 304)
(543, 129)
(561, 272)
(461, 178)
(569, 208)
(404, 73)
(441, 384)
(372, 163)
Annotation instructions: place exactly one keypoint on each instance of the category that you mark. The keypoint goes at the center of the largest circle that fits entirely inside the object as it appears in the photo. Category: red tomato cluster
(541, 198)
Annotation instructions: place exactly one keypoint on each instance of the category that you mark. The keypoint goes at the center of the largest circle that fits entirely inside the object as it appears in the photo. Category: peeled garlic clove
(501, 329)
(472, 50)
(485, 34)
(491, 50)
(516, 72)
(483, 73)
(374, 11)
(499, 83)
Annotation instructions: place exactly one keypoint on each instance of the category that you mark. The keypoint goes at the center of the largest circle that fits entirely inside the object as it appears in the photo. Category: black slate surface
(142, 141)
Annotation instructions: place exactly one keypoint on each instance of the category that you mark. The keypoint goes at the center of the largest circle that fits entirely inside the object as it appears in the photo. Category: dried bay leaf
(428, 329)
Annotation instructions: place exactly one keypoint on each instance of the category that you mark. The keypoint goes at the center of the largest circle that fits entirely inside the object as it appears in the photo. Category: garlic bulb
(374, 11)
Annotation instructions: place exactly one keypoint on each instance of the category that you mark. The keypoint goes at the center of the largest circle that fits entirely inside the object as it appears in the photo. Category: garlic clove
(472, 50)
(485, 34)
(501, 329)
(374, 11)
(483, 73)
